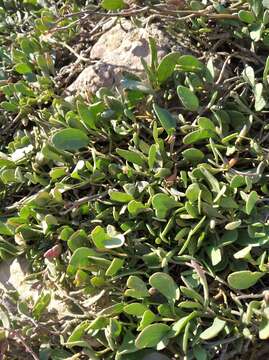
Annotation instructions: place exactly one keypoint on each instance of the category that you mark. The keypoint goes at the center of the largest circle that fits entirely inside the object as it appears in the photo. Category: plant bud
(54, 252)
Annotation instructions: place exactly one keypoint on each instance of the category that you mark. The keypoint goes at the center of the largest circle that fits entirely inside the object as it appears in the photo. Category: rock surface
(12, 274)
(119, 50)
(12, 277)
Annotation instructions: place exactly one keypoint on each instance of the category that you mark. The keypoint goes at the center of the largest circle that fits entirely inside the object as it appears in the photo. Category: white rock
(119, 50)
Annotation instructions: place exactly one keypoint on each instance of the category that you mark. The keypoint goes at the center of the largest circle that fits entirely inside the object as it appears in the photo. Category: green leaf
(205, 123)
(244, 279)
(198, 135)
(152, 155)
(51, 153)
(265, 3)
(246, 16)
(179, 325)
(233, 225)
(190, 293)
(147, 319)
(237, 181)
(251, 201)
(9, 106)
(103, 240)
(243, 253)
(199, 353)
(137, 288)
(228, 203)
(5, 230)
(86, 115)
(23, 68)
(189, 63)
(162, 203)
(152, 335)
(114, 267)
(80, 259)
(135, 309)
(29, 45)
(256, 31)
(120, 196)
(193, 155)
(58, 354)
(249, 75)
(153, 53)
(217, 326)
(265, 18)
(167, 66)
(211, 179)
(136, 86)
(41, 304)
(165, 284)
(8, 248)
(260, 101)
(215, 255)
(56, 173)
(264, 329)
(77, 239)
(131, 156)
(6, 161)
(229, 237)
(112, 4)
(70, 139)
(136, 207)
(4, 321)
(166, 119)
(189, 100)
(192, 192)
(266, 70)
(77, 333)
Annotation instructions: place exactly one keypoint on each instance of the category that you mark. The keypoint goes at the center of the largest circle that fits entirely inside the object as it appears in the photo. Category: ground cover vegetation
(142, 209)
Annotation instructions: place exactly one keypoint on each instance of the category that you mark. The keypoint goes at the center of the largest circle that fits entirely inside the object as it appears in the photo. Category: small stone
(120, 50)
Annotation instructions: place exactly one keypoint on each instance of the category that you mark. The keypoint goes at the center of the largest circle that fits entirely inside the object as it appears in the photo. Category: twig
(14, 333)
(155, 9)
(224, 341)
(224, 351)
(83, 200)
(251, 53)
(201, 273)
(251, 296)
(221, 75)
(13, 122)
(95, 12)
(78, 56)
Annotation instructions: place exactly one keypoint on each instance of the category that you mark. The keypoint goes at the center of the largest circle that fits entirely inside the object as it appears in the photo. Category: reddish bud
(171, 179)
(232, 162)
(54, 252)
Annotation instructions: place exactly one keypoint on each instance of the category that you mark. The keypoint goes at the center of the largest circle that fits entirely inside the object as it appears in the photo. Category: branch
(83, 200)
(15, 334)
(154, 9)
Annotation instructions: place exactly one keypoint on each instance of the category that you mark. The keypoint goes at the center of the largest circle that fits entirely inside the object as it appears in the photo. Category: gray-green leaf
(165, 284)
(251, 201)
(213, 330)
(131, 156)
(162, 203)
(70, 139)
(244, 279)
(167, 66)
(152, 335)
(193, 155)
(189, 100)
(167, 121)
